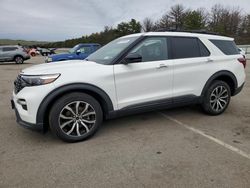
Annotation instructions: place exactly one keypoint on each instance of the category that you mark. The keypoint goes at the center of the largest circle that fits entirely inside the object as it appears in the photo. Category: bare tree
(147, 25)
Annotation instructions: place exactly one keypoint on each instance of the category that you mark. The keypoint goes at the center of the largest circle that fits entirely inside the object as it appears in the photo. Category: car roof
(182, 34)
(93, 44)
(9, 46)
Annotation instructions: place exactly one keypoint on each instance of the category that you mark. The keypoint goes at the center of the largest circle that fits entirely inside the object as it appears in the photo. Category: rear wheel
(18, 60)
(216, 98)
(75, 117)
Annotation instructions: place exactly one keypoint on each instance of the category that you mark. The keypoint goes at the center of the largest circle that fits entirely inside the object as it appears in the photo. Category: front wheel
(75, 117)
(216, 98)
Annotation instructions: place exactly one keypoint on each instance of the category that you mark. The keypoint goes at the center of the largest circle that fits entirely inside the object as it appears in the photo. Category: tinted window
(6, 49)
(227, 47)
(187, 47)
(203, 49)
(152, 49)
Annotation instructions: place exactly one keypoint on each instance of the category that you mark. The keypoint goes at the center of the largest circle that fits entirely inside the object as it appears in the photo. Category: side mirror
(78, 52)
(133, 58)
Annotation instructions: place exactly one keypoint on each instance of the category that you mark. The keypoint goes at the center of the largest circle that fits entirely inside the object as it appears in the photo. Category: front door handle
(161, 66)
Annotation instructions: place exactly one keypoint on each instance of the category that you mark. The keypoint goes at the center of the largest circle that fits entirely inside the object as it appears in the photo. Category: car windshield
(73, 50)
(109, 52)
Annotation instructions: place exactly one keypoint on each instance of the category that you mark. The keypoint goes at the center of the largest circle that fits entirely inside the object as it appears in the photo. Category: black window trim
(197, 38)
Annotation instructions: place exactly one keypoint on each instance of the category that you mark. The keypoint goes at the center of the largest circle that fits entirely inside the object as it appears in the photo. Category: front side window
(85, 49)
(7, 49)
(152, 49)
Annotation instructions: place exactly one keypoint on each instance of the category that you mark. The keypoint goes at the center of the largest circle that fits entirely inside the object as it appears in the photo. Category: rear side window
(226, 46)
(7, 49)
(188, 47)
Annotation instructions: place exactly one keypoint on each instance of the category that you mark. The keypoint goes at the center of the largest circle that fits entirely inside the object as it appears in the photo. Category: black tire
(60, 109)
(213, 104)
(19, 60)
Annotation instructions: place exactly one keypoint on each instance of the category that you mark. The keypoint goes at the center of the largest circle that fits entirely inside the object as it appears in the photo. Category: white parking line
(232, 148)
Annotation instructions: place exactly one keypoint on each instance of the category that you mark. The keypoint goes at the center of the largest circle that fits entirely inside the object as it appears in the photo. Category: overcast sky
(51, 20)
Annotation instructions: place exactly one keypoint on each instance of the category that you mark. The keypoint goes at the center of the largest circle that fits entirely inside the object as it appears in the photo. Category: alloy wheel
(219, 98)
(77, 118)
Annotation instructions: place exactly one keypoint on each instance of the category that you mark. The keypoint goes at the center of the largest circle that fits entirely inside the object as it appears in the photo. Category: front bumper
(36, 127)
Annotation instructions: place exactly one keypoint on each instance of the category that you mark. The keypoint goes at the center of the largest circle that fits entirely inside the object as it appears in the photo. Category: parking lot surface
(179, 147)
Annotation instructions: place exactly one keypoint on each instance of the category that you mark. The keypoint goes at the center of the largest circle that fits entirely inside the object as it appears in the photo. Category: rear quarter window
(188, 47)
(226, 46)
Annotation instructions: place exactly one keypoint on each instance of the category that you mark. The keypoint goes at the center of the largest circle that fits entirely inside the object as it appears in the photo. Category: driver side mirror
(78, 52)
(132, 58)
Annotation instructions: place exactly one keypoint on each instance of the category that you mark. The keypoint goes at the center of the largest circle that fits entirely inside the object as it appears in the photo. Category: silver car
(13, 53)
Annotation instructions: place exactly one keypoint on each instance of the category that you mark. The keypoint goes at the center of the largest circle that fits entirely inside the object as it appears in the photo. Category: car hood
(59, 56)
(59, 67)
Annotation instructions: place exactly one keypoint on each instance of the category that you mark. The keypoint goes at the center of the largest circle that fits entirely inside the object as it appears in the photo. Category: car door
(191, 65)
(150, 80)
(6, 53)
(1, 55)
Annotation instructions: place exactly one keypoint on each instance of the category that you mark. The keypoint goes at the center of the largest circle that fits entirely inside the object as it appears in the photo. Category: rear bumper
(238, 90)
(35, 127)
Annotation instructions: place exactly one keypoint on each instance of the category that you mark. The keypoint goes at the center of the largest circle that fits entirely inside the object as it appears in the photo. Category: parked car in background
(46, 51)
(32, 52)
(13, 53)
(80, 51)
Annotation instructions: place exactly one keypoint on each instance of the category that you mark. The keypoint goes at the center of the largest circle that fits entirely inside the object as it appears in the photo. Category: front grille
(19, 84)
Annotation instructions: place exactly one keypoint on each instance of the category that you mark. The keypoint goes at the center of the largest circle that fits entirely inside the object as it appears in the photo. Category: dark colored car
(80, 51)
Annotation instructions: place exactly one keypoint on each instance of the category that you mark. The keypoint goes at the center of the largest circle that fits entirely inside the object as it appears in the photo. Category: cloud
(58, 20)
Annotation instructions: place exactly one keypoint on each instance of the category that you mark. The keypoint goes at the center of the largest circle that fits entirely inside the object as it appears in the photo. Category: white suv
(131, 74)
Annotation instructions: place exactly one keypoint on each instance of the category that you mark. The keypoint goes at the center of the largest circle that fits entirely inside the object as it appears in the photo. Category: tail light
(243, 61)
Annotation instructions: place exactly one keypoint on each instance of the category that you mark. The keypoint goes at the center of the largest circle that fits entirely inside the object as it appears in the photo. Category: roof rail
(188, 31)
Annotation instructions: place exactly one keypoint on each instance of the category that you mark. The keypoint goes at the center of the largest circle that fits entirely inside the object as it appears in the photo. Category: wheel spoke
(70, 109)
(88, 121)
(85, 126)
(88, 114)
(72, 129)
(77, 129)
(66, 123)
(77, 107)
(65, 117)
(85, 109)
(220, 106)
(222, 100)
(223, 97)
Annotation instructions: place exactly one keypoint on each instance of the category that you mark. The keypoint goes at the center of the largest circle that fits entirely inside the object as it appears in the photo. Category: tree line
(228, 21)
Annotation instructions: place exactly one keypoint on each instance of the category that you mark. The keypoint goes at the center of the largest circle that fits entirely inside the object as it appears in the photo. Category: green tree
(126, 28)
(194, 20)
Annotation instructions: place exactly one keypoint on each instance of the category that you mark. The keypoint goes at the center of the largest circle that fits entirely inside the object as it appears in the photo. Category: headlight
(36, 80)
(49, 59)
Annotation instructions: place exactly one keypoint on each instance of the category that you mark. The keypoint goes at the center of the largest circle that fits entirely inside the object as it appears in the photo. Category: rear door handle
(161, 66)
